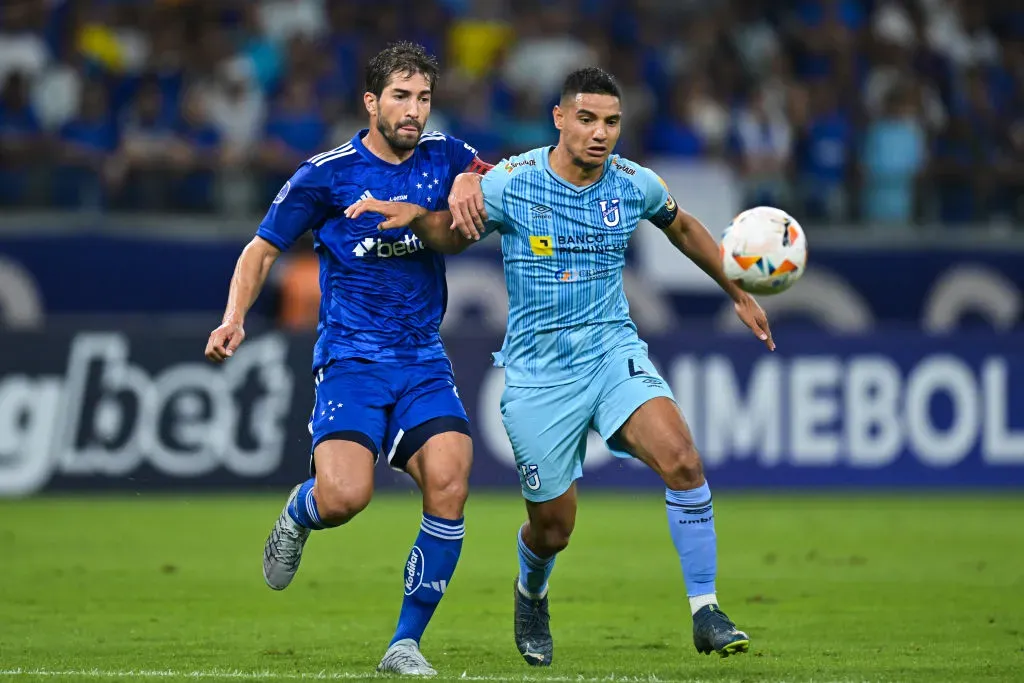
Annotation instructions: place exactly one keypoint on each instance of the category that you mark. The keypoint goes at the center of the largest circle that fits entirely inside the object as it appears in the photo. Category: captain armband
(478, 165)
(666, 214)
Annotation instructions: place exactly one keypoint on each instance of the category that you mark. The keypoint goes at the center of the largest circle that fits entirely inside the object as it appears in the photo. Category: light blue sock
(691, 521)
(428, 571)
(533, 570)
(303, 508)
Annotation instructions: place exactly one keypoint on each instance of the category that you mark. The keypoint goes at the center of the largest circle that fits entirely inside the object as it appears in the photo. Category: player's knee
(340, 502)
(446, 492)
(682, 468)
(551, 538)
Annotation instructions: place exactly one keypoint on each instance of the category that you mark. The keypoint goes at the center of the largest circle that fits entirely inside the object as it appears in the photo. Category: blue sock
(691, 521)
(533, 570)
(303, 509)
(428, 571)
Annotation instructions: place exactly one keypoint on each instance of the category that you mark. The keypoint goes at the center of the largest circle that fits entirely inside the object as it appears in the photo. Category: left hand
(753, 316)
(396, 214)
(466, 202)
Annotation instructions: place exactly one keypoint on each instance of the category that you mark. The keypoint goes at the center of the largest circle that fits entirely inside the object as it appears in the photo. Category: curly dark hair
(400, 58)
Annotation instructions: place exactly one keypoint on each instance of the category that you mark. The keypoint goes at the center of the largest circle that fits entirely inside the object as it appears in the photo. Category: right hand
(223, 341)
(396, 214)
(466, 202)
(753, 316)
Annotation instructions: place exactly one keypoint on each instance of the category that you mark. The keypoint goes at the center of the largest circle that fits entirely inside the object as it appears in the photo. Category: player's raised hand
(223, 341)
(753, 316)
(396, 214)
(466, 202)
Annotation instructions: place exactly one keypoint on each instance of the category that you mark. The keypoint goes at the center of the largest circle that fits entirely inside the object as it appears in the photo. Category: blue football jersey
(564, 250)
(383, 294)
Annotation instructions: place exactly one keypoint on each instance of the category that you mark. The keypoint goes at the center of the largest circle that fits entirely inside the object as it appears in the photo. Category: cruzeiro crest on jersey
(610, 212)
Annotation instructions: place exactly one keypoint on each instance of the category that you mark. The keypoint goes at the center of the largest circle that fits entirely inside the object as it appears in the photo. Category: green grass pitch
(829, 587)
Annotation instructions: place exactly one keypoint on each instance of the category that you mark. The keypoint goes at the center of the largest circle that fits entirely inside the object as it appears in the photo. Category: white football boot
(283, 549)
(405, 658)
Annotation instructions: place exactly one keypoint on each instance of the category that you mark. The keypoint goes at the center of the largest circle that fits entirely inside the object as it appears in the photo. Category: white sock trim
(528, 594)
(699, 601)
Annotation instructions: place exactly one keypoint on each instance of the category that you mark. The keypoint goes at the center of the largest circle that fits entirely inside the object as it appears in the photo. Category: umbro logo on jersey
(540, 211)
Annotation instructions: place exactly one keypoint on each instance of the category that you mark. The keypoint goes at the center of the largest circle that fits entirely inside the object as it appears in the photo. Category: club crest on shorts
(530, 476)
(610, 212)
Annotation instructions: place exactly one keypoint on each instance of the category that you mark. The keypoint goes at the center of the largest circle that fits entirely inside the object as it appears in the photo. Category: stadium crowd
(839, 110)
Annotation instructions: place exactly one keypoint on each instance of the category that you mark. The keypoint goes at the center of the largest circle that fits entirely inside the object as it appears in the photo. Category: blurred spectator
(695, 126)
(237, 110)
(283, 20)
(208, 105)
(476, 41)
(824, 158)
(894, 153)
(140, 170)
(762, 141)
(528, 125)
(198, 154)
(86, 143)
(546, 52)
(22, 46)
(295, 131)
(21, 140)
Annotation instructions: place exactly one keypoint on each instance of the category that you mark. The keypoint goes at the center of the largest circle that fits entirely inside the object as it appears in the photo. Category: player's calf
(342, 487)
(440, 467)
(657, 434)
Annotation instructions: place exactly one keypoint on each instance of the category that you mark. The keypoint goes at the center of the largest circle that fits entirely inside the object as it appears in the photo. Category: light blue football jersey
(564, 251)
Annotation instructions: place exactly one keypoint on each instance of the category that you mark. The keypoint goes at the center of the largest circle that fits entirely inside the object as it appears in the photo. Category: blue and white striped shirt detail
(445, 529)
(564, 250)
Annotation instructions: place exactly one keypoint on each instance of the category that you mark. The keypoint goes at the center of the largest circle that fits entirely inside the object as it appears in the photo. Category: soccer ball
(764, 250)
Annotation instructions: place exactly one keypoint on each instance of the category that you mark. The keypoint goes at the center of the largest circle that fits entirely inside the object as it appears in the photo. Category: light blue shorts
(548, 426)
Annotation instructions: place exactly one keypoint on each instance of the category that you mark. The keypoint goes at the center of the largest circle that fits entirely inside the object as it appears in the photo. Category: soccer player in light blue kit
(573, 360)
(383, 381)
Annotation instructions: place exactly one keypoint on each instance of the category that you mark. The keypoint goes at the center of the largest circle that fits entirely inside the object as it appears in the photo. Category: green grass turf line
(829, 587)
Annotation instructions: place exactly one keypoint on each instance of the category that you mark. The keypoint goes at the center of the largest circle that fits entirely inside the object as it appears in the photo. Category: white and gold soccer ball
(764, 250)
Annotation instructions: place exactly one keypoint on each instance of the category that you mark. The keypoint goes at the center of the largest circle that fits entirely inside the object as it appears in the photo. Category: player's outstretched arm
(432, 227)
(466, 201)
(251, 272)
(695, 241)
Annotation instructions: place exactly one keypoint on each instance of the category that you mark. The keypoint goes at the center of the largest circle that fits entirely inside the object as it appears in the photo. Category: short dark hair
(405, 58)
(590, 80)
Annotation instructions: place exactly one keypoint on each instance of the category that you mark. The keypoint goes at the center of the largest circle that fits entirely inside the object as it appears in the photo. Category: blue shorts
(390, 407)
(548, 426)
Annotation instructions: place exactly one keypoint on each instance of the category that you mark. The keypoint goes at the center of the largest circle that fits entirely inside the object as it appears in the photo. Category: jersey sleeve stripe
(332, 157)
(313, 159)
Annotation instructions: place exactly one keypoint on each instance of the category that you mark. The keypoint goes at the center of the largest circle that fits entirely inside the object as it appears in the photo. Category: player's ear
(559, 116)
(370, 101)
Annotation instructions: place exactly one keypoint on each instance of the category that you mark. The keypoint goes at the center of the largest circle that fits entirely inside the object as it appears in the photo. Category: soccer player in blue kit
(383, 381)
(572, 357)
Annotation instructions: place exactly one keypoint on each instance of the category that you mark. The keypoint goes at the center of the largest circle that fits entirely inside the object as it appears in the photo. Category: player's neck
(379, 147)
(562, 164)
